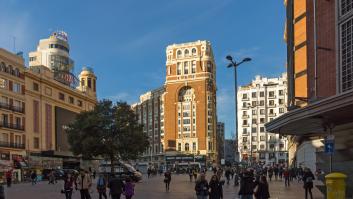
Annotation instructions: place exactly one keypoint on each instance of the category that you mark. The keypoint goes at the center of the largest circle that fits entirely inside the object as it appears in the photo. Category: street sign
(329, 145)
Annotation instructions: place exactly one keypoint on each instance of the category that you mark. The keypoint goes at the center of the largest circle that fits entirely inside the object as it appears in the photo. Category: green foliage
(109, 131)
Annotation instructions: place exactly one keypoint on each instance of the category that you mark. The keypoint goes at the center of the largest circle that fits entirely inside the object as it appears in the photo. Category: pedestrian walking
(228, 174)
(84, 183)
(194, 173)
(51, 177)
(286, 175)
(201, 187)
(262, 189)
(167, 179)
(270, 173)
(149, 172)
(115, 186)
(308, 179)
(9, 178)
(129, 188)
(34, 177)
(101, 186)
(280, 172)
(68, 186)
(246, 190)
(276, 170)
(190, 174)
(215, 186)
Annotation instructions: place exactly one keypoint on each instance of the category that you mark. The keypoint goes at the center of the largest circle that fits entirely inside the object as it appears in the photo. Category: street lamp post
(234, 64)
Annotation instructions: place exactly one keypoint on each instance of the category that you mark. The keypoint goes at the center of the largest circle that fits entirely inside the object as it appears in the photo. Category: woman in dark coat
(262, 191)
(216, 191)
(308, 178)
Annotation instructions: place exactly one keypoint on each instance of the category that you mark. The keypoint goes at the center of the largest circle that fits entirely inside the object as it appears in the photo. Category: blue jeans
(246, 196)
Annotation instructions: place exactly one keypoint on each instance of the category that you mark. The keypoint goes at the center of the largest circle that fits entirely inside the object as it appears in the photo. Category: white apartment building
(258, 103)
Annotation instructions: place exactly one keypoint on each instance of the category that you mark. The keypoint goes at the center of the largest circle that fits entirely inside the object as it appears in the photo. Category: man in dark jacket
(246, 186)
(201, 187)
(116, 187)
(308, 179)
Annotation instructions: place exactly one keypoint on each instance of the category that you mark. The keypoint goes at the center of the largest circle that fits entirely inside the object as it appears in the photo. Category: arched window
(2, 67)
(193, 51)
(179, 53)
(186, 94)
(186, 53)
(209, 66)
(187, 147)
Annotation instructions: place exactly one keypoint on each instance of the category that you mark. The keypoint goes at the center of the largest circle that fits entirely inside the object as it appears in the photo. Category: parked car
(121, 169)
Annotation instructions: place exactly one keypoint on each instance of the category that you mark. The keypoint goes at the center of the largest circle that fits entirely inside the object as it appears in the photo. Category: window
(262, 120)
(186, 121)
(280, 92)
(186, 68)
(209, 145)
(244, 104)
(179, 54)
(253, 103)
(271, 111)
(245, 147)
(16, 88)
(178, 68)
(179, 146)
(36, 143)
(245, 139)
(262, 94)
(35, 86)
(281, 110)
(186, 53)
(262, 111)
(346, 6)
(3, 83)
(71, 100)
(89, 82)
(193, 51)
(254, 147)
(193, 67)
(187, 147)
(346, 55)
(271, 94)
(79, 103)
(254, 138)
(254, 112)
(262, 103)
(32, 58)
(281, 146)
(245, 122)
(262, 138)
(272, 146)
(245, 131)
(253, 94)
(271, 102)
(253, 130)
(254, 121)
(209, 66)
(18, 122)
(281, 101)
(262, 147)
(245, 96)
(62, 96)
(262, 129)
(194, 146)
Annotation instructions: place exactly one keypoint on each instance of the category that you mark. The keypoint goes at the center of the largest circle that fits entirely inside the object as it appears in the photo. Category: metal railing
(12, 145)
(12, 126)
(12, 108)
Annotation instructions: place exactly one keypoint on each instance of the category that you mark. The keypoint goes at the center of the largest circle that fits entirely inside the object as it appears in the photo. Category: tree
(108, 131)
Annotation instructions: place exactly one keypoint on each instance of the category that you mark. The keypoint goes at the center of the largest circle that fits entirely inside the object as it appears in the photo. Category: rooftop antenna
(14, 44)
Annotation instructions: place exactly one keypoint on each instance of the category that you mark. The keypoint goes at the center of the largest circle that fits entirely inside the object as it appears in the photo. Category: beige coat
(84, 182)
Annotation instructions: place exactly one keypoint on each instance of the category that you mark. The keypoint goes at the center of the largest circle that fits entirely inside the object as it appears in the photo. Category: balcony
(12, 145)
(12, 126)
(245, 116)
(12, 108)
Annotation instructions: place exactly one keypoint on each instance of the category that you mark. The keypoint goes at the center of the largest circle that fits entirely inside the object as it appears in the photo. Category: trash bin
(336, 185)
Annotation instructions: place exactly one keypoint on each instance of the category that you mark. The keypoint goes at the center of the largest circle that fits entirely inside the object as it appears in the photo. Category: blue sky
(125, 41)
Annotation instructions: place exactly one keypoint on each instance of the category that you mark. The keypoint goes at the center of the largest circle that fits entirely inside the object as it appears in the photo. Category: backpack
(309, 179)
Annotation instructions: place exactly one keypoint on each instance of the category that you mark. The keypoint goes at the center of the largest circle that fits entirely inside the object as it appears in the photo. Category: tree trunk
(112, 164)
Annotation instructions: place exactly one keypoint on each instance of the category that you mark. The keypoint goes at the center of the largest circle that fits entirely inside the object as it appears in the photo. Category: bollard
(336, 185)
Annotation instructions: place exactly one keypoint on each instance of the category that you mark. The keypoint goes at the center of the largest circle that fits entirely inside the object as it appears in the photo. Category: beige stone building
(12, 110)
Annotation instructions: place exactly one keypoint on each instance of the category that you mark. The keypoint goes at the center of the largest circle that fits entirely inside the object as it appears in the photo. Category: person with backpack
(115, 186)
(202, 187)
(68, 186)
(246, 190)
(286, 175)
(102, 187)
(129, 188)
(308, 178)
(262, 190)
(167, 179)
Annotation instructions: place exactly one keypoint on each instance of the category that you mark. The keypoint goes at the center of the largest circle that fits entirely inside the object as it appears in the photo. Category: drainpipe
(315, 52)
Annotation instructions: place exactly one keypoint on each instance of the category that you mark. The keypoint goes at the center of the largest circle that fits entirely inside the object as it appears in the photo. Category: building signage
(61, 35)
(66, 78)
(329, 144)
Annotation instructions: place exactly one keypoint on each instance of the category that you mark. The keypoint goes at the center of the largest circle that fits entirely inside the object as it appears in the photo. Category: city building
(230, 151)
(320, 85)
(150, 114)
(190, 100)
(259, 102)
(220, 141)
(12, 111)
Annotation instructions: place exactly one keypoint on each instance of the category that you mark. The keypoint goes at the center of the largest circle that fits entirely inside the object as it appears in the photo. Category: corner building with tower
(188, 104)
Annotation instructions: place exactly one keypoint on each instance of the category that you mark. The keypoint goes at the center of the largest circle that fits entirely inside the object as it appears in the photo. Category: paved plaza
(152, 188)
